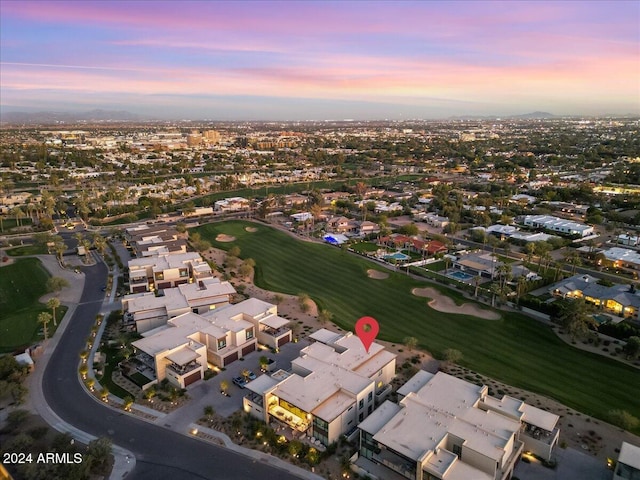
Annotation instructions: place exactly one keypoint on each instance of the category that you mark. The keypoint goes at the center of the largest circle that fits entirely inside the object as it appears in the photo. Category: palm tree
(531, 250)
(44, 318)
(100, 243)
(18, 214)
(53, 303)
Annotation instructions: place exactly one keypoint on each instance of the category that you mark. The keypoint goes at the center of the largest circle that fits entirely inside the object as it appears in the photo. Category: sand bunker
(251, 229)
(225, 238)
(445, 304)
(377, 274)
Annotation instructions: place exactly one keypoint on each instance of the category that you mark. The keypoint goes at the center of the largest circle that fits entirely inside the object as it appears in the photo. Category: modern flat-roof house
(152, 240)
(148, 311)
(333, 385)
(620, 300)
(220, 336)
(166, 271)
(556, 224)
(628, 466)
(446, 428)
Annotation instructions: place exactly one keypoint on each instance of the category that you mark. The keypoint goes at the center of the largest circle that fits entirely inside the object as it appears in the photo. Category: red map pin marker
(367, 329)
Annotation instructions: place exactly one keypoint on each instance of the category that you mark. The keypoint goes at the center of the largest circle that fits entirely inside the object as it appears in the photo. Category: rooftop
(311, 392)
(629, 455)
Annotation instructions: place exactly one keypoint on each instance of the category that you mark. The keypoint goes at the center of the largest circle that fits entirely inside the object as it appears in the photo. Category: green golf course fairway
(516, 350)
(21, 285)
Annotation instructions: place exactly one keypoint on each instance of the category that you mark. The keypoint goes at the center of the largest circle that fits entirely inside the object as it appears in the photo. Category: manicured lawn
(27, 250)
(516, 349)
(363, 247)
(438, 266)
(21, 285)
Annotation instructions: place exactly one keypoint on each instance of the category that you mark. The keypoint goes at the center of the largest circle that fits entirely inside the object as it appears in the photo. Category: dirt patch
(251, 229)
(377, 274)
(445, 304)
(223, 238)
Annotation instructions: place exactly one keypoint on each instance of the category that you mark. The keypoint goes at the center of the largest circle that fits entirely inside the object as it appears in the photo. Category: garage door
(248, 349)
(194, 377)
(231, 358)
(283, 340)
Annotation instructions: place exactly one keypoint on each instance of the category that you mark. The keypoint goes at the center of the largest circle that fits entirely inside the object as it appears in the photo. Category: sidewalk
(124, 461)
(218, 438)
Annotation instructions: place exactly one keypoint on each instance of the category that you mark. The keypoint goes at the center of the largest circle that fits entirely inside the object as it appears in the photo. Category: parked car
(251, 376)
(239, 381)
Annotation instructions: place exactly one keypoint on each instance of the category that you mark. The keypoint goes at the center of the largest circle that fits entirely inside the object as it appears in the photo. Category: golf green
(516, 349)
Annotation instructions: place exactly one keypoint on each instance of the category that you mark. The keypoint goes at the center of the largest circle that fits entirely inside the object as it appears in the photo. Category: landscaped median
(515, 349)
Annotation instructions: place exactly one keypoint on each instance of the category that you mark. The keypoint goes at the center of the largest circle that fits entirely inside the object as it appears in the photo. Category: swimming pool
(458, 275)
(398, 256)
(601, 318)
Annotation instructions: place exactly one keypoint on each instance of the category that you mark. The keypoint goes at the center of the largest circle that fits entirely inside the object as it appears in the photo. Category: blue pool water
(458, 275)
(398, 256)
(601, 318)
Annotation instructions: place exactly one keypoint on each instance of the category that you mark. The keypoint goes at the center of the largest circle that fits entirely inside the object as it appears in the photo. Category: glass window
(222, 342)
(370, 396)
(361, 404)
(457, 449)
(249, 333)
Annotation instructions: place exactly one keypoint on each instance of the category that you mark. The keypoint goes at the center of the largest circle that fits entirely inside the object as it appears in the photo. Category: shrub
(623, 419)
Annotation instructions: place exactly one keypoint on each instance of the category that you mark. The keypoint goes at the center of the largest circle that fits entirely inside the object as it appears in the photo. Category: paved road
(160, 453)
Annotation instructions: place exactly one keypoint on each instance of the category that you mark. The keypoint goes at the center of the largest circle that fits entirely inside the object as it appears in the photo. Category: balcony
(275, 332)
(254, 398)
(146, 359)
(543, 436)
(183, 369)
(392, 461)
(288, 418)
(383, 393)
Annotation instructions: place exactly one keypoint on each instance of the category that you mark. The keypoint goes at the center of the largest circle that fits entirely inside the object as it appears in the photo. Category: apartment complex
(447, 428)
(181, 349)
(333, 386)
(148, 311)
(147, 274)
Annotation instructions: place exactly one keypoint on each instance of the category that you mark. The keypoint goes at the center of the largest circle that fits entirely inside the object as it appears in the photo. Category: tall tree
(44, 318)
(575, 316)
(53, 303)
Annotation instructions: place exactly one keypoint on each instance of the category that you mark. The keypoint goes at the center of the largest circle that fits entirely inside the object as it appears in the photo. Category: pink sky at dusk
(297, 60)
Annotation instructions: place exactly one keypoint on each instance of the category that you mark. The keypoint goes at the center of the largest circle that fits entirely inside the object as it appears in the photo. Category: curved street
(160, 453)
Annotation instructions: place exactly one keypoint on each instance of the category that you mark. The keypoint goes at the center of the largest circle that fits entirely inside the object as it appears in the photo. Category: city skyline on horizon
(321, 60)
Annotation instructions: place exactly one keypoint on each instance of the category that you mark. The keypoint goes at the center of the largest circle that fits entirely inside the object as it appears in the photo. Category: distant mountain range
(70, 117)
(524, 116)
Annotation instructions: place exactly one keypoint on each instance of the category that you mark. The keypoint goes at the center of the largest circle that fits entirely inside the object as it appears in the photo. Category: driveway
(207, 392)
(572, 465)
